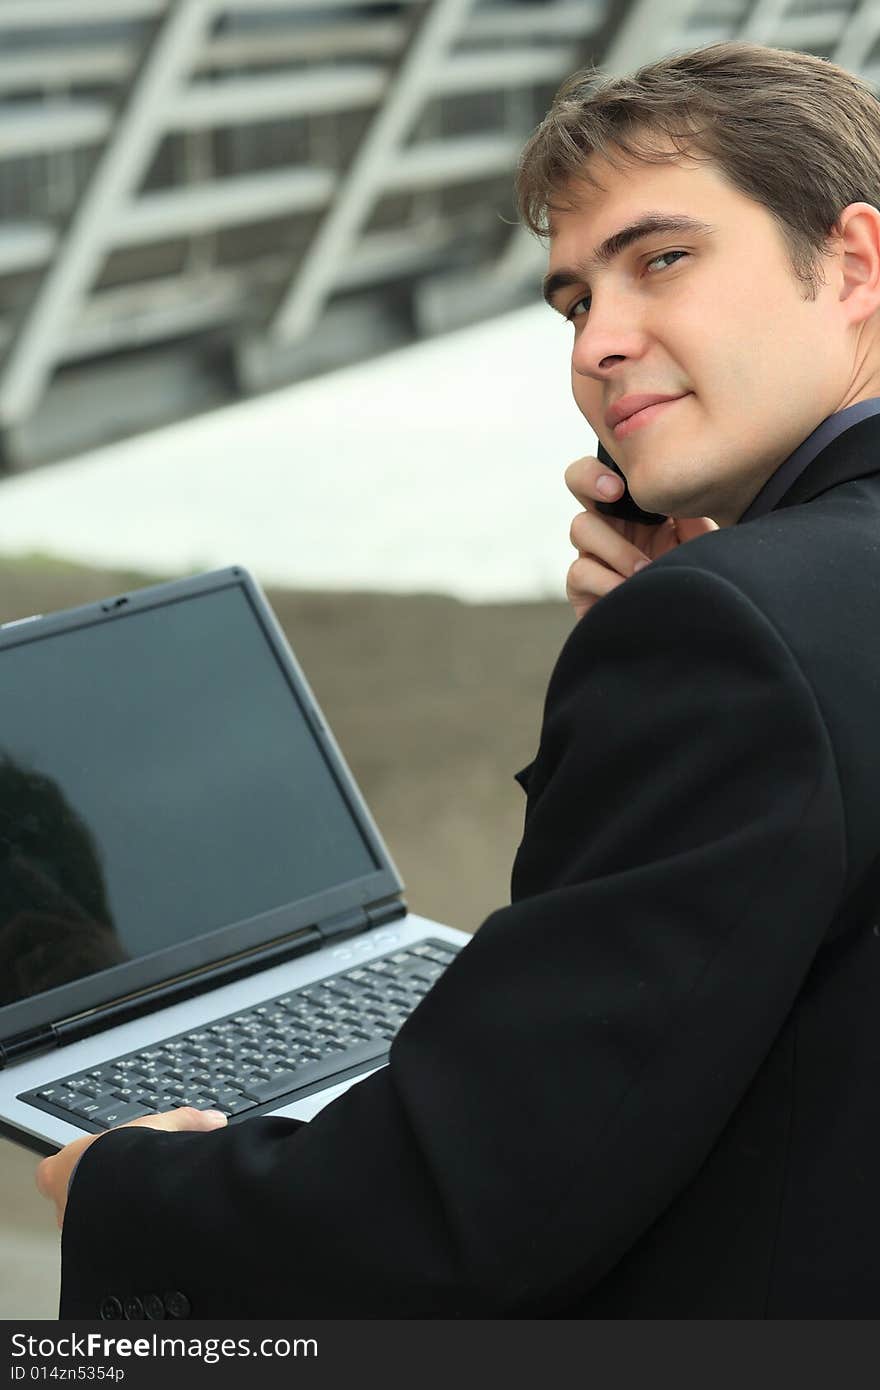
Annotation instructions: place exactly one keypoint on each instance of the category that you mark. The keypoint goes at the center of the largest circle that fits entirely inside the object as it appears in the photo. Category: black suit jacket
(649, 1086)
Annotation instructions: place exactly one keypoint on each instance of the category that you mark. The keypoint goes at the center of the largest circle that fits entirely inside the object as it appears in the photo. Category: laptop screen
(158, 780)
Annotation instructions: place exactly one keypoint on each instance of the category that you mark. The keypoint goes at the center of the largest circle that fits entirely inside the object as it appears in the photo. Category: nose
(612, 334)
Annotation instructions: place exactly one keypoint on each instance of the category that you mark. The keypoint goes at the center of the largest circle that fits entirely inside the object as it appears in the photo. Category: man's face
(714, 315)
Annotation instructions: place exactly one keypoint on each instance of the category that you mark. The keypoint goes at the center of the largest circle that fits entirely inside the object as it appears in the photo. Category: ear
(857, 247)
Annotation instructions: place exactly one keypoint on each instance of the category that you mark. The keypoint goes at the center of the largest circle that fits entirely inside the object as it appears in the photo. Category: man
(648, 1086)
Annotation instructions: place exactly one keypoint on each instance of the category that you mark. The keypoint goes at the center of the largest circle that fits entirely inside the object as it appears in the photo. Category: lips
(630, 405)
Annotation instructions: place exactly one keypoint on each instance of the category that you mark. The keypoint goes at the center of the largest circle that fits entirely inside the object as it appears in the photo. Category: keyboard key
(166, 1102)
(317, 1031)
(118, 1113)
(271, 1086)
(234, 1105)
(289, 1082)
(253, 1080)
(85, 1106)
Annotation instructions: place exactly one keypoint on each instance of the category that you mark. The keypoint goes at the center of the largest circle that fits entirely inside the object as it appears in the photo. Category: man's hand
(608, 549)
(53, 1173)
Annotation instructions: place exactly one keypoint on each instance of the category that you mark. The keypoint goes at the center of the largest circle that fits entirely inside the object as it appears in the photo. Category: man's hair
(796, 133)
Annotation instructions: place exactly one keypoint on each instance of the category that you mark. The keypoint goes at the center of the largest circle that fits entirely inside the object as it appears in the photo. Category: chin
(654, 499)
(667, 491)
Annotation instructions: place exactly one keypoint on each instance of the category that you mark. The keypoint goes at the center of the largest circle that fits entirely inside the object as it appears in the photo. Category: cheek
(749, 335)
(718, 352)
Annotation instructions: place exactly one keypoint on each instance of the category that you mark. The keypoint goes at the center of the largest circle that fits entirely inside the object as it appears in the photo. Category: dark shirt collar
(779, 482)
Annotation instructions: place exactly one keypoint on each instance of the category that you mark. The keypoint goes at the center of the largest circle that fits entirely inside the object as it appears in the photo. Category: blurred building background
(225, 196)
(263, 300)
(203, 198)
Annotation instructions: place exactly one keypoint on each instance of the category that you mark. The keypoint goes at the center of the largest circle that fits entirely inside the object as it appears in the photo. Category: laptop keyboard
(248, 1060)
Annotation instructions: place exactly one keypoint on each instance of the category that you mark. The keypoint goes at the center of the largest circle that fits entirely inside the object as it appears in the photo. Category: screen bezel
(209, 948)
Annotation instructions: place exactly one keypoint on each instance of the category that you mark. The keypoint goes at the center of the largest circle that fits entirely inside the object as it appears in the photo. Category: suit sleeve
(682, 858)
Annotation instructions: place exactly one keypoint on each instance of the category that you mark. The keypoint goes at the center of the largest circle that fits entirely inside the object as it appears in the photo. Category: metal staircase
(274, 187)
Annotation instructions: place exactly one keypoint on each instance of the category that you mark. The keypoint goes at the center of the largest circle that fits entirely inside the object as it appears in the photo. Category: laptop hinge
(344, 924)
(389, 911)
(155, 997)
(147, 1001)
(28, 1044)
(360, 919)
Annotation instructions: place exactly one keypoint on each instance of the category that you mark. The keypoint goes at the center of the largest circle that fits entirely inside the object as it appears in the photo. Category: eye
(576, 311)
(664, 255)
(582, 306)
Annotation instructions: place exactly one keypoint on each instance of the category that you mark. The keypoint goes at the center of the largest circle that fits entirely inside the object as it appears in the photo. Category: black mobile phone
(624, 508)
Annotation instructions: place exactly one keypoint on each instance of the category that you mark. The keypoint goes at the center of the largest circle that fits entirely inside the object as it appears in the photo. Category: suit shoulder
(786, 561)
(685, 611)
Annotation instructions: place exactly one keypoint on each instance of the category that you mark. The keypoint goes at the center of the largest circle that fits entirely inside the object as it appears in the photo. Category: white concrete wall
(437, 468)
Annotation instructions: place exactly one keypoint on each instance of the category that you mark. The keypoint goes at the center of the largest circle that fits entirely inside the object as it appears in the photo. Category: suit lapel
(853, 454)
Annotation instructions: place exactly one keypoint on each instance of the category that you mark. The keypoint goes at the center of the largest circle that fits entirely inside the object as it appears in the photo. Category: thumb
(689, 527)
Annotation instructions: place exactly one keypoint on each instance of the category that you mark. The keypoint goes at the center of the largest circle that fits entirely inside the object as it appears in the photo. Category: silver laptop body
(188, 872)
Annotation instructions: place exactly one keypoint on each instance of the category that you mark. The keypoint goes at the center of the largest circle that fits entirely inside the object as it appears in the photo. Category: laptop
(196, 906)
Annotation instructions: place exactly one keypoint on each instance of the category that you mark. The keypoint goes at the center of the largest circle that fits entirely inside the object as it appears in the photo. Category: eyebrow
(652, 224)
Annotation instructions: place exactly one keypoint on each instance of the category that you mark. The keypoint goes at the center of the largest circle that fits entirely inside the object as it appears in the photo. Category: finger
(51, 1170)
(689, 527)
(592, 536)
(587, 581)
(52, 1177)
(184, 1117)
(583, 479)
(43, 1178)
(51, 1186)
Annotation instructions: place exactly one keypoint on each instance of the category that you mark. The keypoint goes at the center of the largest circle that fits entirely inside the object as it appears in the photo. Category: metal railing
(171, 168)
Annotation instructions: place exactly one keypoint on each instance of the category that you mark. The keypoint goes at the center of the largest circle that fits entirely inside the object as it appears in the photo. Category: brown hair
(793, 132)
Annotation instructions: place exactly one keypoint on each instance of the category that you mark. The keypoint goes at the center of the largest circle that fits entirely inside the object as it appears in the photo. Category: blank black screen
(158, 780)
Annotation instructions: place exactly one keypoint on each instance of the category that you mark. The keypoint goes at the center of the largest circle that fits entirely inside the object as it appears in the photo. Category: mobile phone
(624, 508)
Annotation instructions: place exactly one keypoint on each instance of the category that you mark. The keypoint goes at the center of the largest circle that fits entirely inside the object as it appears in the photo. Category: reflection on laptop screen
(158, 780)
